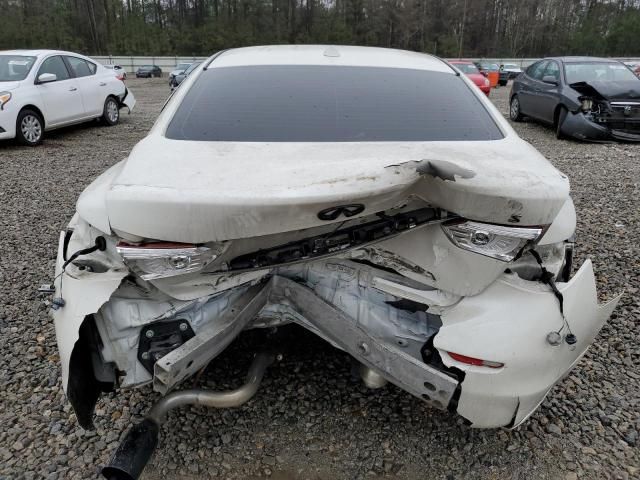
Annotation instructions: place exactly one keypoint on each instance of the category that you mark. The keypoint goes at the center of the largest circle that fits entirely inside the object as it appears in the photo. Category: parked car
(471, 71)
(180, 68)
(177, 80)
(148, 71)
(508, 71)
(118, 71)
(489, 70)
(325, 186)
(41, 90)
(585, 98)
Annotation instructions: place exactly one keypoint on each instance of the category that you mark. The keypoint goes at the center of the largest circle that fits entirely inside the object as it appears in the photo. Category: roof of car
(581, 59)
(329, 55)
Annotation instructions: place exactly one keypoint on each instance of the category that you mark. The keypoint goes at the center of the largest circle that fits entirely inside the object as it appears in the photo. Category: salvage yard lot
(311, 419)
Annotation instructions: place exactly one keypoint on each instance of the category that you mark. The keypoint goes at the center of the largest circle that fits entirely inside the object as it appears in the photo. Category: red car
(471, 71)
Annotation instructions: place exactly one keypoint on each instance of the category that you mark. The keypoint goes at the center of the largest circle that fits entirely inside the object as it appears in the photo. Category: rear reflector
(475, 361)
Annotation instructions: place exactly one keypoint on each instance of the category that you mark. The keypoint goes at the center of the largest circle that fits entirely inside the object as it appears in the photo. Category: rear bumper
(353, 307)
(509, 323)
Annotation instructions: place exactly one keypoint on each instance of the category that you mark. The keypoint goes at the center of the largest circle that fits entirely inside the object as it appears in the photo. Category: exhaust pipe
(135, 450)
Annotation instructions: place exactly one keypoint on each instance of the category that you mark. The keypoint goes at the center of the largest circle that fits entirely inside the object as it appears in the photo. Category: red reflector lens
(474, 361)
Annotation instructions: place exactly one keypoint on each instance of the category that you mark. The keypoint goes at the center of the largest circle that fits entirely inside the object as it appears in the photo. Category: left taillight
(164, 259)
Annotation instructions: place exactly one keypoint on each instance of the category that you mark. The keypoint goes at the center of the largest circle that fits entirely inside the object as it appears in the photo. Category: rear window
(301, 103)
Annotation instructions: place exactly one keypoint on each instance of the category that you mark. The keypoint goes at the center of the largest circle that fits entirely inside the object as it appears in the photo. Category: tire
(503, 83)
(562, 114)
(514, 109)
(29, 128)
(111, 112)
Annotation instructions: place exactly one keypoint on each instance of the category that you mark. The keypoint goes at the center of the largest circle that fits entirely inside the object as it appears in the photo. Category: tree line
(449, 28)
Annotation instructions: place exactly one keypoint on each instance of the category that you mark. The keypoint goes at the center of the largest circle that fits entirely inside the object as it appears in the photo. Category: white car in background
(41, 90)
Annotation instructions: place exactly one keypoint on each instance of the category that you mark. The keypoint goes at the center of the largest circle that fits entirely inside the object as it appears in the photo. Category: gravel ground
(311, 419)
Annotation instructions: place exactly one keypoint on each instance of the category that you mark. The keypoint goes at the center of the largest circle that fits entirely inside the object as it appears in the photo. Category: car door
(529, 88)
(547, 94)
(92, 87)
(61, 99)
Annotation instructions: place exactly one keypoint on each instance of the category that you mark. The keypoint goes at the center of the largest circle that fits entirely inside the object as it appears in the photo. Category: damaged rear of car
(582, 97)
(374, 197)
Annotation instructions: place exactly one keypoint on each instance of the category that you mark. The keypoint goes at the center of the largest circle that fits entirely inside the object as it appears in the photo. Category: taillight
(474, 361)
(166, 259)
(496, 241)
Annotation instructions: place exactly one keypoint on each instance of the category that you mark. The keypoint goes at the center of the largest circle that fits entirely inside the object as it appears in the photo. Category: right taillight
(496, 241)
(474, 361)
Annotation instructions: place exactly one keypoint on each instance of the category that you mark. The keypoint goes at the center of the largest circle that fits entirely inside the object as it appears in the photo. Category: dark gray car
(586, 98)
(177, 80)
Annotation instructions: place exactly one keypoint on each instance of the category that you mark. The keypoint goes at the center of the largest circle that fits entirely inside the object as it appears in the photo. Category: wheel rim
(515, 108)
(31, 128)
(112, 111)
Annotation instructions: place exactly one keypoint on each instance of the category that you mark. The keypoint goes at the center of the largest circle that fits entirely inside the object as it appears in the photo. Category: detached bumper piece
(601, 129)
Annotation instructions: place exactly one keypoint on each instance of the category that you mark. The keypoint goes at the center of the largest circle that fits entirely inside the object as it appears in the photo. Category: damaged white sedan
(372, 196)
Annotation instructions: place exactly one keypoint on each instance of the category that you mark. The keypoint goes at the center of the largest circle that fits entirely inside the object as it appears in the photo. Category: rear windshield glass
(302, 103)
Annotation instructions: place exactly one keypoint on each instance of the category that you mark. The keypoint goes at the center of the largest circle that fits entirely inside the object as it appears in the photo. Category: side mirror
(483, 73)
(550, 79)
(47, 78)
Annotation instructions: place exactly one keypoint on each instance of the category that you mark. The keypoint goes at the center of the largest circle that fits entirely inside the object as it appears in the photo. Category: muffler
(138, 445)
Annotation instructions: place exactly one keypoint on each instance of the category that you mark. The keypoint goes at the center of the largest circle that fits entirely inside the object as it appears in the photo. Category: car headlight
(164, 259)
(586, 104)
(495, 241)
(4, 98)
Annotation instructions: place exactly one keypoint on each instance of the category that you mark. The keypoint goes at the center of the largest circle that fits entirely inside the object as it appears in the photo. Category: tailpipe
(138, 445)
(134, 452)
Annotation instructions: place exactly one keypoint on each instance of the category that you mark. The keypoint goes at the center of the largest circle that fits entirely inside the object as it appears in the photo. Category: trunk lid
(196, 192)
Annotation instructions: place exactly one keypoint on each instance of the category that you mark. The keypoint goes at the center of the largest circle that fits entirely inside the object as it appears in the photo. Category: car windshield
(146, 67)
(14, 68)
(182, 66)
(312, 103)
(511, 66)
(602, 71)
(466, 67)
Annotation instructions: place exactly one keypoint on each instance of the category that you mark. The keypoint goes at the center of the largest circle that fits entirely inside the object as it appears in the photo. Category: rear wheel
(560, 117)
(111, 112)
(514, 109)
(29, 128)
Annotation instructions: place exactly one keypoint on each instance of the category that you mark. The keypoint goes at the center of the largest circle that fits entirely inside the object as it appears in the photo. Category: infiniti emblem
(332, 213)
(627, 110)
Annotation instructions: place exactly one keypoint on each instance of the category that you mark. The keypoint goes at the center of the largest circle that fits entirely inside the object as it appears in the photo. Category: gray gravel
(311, 419)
